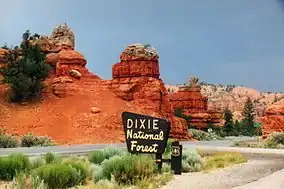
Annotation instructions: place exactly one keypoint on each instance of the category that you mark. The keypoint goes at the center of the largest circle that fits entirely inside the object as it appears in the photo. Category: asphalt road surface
(85, 148)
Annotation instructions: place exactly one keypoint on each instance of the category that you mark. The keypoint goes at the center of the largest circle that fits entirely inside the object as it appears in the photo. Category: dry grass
(151, 183)
(5, 185)
(222, 160)
(248, 144)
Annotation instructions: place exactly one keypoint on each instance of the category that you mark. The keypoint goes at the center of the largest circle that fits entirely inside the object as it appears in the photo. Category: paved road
(85, 148)
(273, 181)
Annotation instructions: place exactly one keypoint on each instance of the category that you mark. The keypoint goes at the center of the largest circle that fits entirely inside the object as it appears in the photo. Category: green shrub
(217, 130)
(199, 135)
(97, 157)
(57, 176)
(275, 140)
(29, 140)
(51, 158)
(81, 168)
(168, 146)
(202, 135)
(8, 141)
(128, 169)
(109, 152)
(178, 112)
(36, 162)
(191, 162)
(166, 168)
(12, 165)
(96, 172)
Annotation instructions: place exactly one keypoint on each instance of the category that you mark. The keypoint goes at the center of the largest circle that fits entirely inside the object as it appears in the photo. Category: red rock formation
(61, 36)
(136, 79)
(52, 59)
(137, 68)
(215, 117)
(71, 119)
(2, 56)
(64, 86)
(189, 98)
(61, 54)
(69, 59)
(273, 119)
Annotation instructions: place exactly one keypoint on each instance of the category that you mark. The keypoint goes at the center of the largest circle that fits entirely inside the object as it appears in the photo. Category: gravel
(229, 177)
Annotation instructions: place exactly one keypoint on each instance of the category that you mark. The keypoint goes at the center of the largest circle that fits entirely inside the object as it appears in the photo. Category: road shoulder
(227, 178)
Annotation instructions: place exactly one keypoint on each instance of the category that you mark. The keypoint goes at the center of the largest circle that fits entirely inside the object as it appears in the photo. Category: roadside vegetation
(109, 168)
(29, 140)
(275, 141)
(218, 160)
(245, 127)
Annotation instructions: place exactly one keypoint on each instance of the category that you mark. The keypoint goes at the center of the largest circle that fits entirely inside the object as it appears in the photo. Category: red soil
(69, 120)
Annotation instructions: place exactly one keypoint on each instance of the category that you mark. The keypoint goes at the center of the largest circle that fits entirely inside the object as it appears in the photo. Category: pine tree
(26, 69)
(249, 115)
(229, 122)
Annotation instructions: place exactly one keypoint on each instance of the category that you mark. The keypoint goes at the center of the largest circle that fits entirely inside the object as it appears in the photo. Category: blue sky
(221, 41)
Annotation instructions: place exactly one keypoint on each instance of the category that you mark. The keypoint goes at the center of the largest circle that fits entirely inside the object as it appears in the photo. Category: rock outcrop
(61, 54)
(136, 79)
(52, 59)
(61, 36)
(137, 61)
(221, 97)
(273, 119)
(68, 60)
(64, 86)
(2, 56)
(189, 99)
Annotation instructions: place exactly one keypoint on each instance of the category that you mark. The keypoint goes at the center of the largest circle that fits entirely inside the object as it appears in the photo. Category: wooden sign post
(176, 157)
(146, 134)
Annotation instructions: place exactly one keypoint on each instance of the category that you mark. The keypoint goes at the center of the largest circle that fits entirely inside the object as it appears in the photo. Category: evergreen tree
(179, 112)
(229, 122)
(249, 115)
(238, 128)
(26, 69)
(5, 46)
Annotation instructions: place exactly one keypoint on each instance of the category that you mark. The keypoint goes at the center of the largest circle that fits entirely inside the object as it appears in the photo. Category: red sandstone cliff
(273, 119)
(221, 97)
(189, 98)
(136, 79)
(79, 107)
